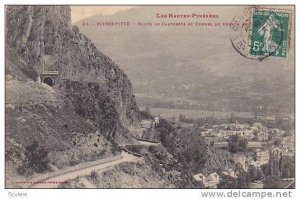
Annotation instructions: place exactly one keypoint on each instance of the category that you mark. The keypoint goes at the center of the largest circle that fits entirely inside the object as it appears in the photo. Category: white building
(211, 181)
(147, 124)
(156, 120)
(240, 158)
(200, 178)
(262, 157)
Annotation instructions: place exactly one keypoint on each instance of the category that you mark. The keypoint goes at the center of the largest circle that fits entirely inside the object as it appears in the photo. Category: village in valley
(265, 147)
(262, 146)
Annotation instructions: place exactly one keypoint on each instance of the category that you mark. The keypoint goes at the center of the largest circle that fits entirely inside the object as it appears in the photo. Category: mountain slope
(82, 117)
(42, 36)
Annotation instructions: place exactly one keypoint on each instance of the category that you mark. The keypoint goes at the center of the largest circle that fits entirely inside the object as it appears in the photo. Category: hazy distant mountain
(194, 64)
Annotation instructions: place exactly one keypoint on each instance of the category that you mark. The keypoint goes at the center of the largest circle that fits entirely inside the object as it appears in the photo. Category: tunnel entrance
(48, 77)
(49, 81)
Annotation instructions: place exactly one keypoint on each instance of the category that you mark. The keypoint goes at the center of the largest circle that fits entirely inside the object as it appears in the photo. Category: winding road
(53, 182)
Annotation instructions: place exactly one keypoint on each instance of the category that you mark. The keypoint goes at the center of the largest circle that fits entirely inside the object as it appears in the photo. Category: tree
(189, 147)
(265, 169)
(181, 118)
(277, 142)
(255, 133)
(36, 159)
(243, 180)
(227, 182)
(94, 176)
(212, 143)
(254, 173)
(273, 182)
(286, 134)
(237, 144)
(288, 169)
(243, 143)
(147, 109)
(146, 114)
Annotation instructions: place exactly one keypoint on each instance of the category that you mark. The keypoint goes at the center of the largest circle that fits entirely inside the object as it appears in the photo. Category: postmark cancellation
(263, 32)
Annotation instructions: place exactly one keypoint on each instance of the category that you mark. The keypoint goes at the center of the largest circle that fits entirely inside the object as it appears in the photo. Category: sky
(81, 12)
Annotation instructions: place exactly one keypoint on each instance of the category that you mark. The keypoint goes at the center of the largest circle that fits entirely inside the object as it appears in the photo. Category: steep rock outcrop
(43, 37)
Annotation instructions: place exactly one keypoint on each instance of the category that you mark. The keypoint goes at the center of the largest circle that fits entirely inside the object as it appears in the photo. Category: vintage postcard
(150, 96)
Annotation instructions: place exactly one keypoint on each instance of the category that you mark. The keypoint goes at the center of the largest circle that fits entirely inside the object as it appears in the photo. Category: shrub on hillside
(36, 160)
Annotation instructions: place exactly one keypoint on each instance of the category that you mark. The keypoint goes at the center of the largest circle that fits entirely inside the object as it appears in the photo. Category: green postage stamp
(269, 33)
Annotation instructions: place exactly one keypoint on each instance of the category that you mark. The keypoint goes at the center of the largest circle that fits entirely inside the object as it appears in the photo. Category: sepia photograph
(149, 96)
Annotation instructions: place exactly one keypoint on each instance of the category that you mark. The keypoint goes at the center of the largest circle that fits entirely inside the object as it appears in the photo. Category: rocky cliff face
(93, 85)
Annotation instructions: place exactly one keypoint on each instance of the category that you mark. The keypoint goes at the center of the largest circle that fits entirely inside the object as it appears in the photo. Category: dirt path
(55, 181)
